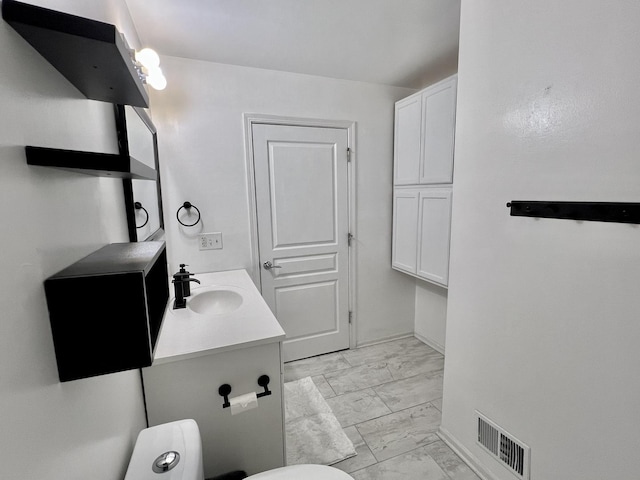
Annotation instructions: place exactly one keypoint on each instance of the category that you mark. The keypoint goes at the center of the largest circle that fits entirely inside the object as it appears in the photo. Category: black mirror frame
(123, 148)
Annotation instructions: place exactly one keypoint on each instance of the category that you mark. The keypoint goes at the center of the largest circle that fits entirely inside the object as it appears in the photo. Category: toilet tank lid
(306, 472)
(182, 436)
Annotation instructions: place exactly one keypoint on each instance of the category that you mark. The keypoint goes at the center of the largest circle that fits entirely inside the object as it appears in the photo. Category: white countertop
(186, 334)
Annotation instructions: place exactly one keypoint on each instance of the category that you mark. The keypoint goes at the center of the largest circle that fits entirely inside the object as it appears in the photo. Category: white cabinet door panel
(438, 125)
(407, 146)
(405, 230)
(433, 234)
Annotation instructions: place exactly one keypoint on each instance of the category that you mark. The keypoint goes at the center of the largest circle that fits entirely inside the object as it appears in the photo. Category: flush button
(166, 462)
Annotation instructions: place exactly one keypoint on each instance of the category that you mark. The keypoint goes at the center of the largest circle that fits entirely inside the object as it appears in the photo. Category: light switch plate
(210, 241)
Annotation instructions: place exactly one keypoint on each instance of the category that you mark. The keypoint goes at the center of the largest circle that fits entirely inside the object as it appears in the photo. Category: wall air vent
(507, 449)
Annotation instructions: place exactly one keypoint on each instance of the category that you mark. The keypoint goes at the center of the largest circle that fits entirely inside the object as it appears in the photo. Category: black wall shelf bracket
(617, 212)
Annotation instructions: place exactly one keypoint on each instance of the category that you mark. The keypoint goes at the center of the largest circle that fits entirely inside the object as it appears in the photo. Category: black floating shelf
(90, 54)
(90, 163)
(617, 212)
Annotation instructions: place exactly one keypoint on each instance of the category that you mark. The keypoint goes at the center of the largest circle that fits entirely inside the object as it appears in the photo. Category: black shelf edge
(126, 257)
(90, 163)
(617, 212)
(90, 54)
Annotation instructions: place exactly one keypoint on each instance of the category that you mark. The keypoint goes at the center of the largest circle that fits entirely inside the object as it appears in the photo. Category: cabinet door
(438, 127)
(433, 234)
(407, 134)
(405, 230)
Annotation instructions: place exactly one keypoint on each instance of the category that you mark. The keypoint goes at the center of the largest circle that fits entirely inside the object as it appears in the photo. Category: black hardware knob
(264, 380)
(224, 390)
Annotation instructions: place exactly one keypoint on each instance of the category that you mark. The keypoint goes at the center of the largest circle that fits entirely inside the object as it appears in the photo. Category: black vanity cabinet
(106, 309)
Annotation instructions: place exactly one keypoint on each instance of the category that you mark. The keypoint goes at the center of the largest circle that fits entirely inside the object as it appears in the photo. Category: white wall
(200, 123)
(74, 430)
(431, 314)
(542, 327)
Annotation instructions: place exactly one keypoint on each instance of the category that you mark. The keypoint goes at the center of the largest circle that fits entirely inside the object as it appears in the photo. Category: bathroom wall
(86, 428)
(201, 135)
(542, 326)
(431, 314)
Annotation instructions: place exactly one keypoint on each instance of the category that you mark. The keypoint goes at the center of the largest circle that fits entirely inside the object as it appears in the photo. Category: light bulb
(158, 83)
(156, 79)
(148, 58)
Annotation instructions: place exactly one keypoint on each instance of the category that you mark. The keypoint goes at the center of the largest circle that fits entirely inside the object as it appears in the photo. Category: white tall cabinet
(423, 181)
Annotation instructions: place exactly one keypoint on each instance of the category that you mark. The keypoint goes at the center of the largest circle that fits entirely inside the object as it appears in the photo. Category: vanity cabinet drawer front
(252, 441)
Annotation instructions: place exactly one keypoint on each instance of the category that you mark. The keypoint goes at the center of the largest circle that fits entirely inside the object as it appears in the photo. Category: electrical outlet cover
(210, 241)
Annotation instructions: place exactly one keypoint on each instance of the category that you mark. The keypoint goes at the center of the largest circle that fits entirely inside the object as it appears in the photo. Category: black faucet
(182, 286)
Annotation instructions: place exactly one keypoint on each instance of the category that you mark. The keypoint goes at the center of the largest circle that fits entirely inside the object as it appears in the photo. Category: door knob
(268, 265)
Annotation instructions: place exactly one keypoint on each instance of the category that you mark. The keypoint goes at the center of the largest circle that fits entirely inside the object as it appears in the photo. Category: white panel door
(434, 234)
(302, 207)
(405, 230)
(407, 137)
(438, 123)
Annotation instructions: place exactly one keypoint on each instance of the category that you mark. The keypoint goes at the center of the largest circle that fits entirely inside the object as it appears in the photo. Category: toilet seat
(306, 472)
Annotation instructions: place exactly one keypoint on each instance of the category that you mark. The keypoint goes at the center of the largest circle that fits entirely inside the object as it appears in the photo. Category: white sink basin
(214, 302)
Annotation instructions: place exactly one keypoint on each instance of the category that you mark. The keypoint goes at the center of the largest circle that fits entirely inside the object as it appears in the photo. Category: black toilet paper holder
(225, 390)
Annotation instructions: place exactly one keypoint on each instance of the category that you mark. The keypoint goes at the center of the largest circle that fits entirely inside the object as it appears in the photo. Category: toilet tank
(173, 449)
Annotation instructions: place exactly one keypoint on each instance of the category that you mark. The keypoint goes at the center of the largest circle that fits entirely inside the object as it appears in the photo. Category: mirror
(137, 137)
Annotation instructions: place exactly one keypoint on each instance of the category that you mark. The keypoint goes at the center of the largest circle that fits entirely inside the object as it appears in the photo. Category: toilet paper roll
(242, 403)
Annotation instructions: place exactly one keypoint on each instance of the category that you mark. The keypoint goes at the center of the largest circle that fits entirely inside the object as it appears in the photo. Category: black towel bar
(585, 211)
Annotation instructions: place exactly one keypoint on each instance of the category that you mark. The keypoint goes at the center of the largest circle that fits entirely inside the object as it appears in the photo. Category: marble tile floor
(388, 399)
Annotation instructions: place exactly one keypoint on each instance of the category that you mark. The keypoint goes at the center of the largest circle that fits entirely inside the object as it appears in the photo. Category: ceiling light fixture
(147, 63)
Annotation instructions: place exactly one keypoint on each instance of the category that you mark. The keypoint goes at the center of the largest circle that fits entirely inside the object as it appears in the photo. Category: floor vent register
(507, 449)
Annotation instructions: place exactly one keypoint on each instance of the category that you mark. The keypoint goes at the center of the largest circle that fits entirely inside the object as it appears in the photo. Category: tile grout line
(334, 392)
(382, 416)
(399, 455)
(373, 388)
(428, 374)
(392, 413)
(385, 361)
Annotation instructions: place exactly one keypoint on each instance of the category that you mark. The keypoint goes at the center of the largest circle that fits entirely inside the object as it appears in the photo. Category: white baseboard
(384, 340)
(431, 343)
(468, 457)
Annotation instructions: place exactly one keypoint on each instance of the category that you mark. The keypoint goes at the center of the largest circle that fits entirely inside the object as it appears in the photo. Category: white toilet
(173, 451)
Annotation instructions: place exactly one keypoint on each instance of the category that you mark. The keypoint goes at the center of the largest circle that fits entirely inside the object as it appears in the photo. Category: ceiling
(405, 43)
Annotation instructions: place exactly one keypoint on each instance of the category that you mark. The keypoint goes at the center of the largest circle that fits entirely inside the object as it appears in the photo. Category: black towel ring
(187, 206)
(138, 206)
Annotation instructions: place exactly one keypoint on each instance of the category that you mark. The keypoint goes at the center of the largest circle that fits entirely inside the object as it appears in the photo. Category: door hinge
(348, 154)
(349, 238)
(350, 317)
